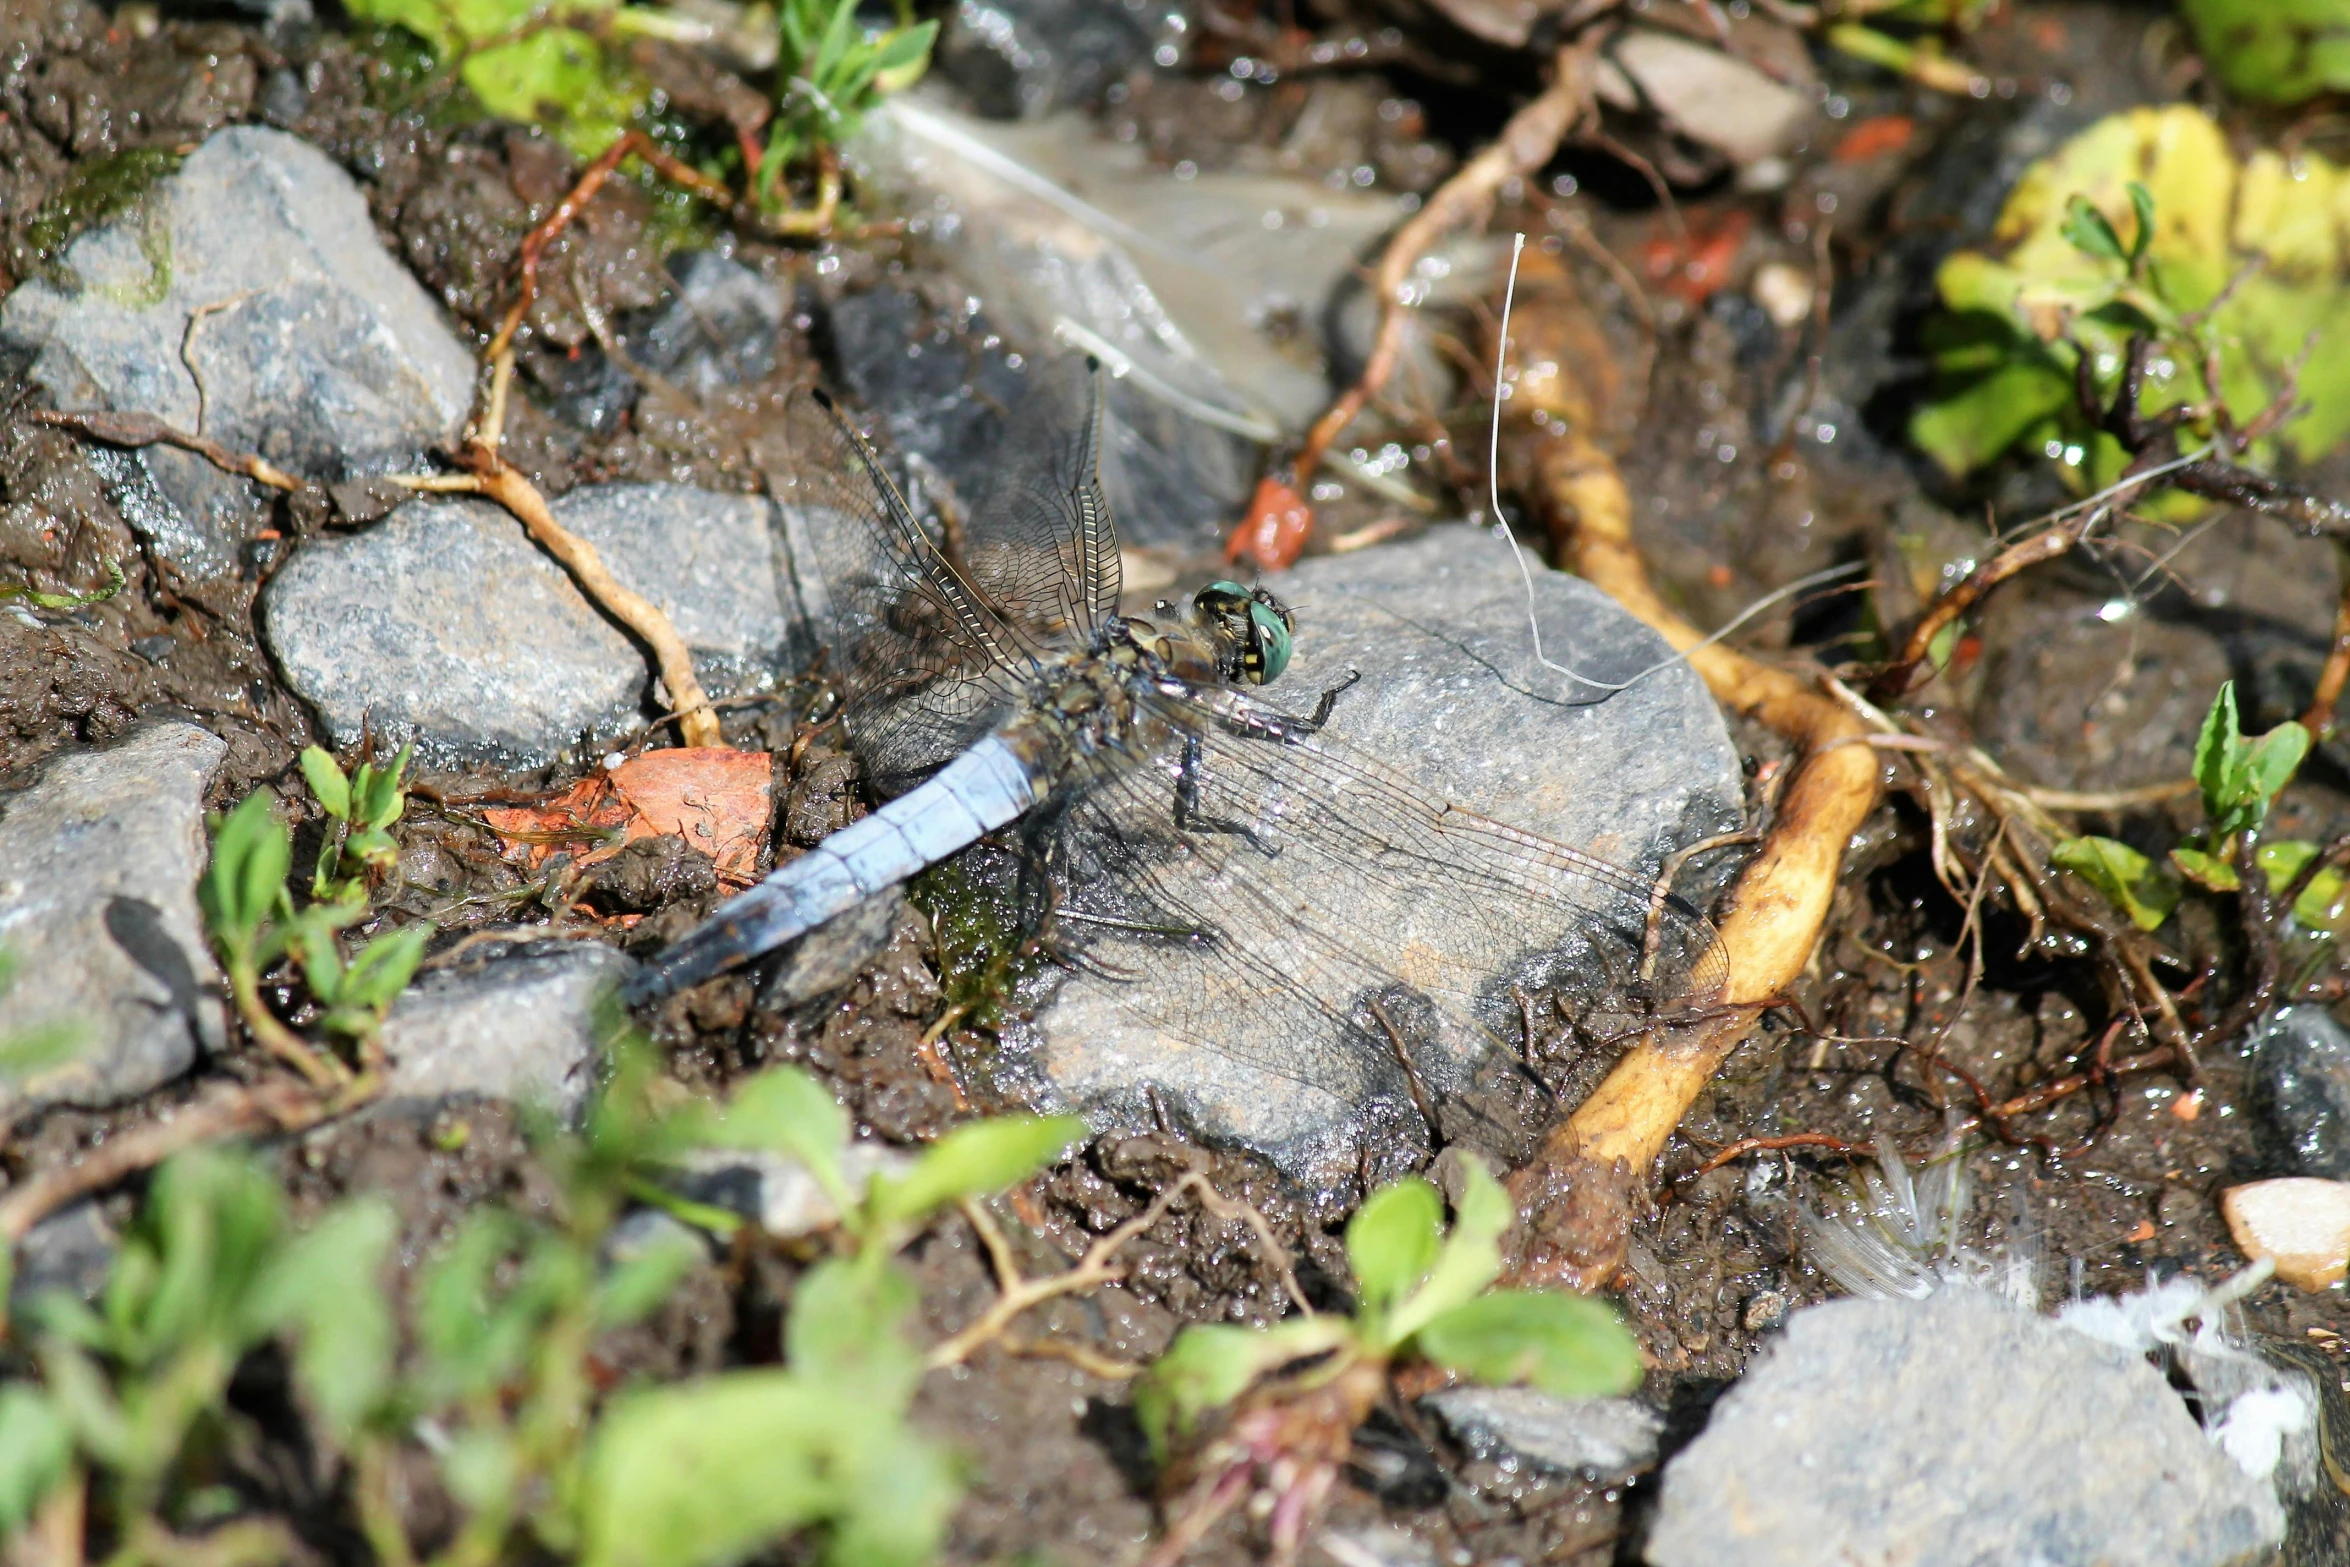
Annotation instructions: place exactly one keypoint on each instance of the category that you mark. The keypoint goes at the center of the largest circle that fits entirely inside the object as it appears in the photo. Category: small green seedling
(1293, 1394)
(832, 73)
(129, 1392)
(2239, 778)
(253, 923)
(1915, 49)
(363, 805)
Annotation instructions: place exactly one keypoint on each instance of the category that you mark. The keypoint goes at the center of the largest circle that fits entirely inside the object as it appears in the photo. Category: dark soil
(1740, 492)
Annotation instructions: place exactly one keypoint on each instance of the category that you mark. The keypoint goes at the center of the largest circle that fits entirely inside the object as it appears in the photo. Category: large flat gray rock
(1451, 697)
(248, 299)
(445, 624)
(98, 864)
(1956, 1431)
(518, 1022)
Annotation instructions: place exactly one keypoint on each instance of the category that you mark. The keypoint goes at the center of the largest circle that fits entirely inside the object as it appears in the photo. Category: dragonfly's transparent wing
(926, 660)
(1300, 879)
(1038, 539)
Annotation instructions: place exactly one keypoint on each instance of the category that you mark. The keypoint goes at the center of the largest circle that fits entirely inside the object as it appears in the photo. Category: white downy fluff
(1895, 1236)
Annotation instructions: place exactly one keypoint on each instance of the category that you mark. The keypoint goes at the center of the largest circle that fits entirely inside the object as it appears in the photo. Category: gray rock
(719, 328)
(2301, 1089)
(1604, 1438)
(834, 953)
(71, 1250)
(1956, 1431)
(246, 299)
(445, 624)
(521, 1022)
(1452, 698)
(98, 864)
(775, 1193)
(1019, 59)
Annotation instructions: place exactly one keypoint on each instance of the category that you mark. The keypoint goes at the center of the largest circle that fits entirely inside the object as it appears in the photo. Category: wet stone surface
(2301, 1087)
(515, 1021)
(1452, 698)
(1952, 1431)
(445, 623)
(1606, 1438)
(98, 864)
(247, 299)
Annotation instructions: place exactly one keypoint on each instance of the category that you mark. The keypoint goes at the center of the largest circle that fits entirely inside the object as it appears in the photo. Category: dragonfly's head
(1250, 629)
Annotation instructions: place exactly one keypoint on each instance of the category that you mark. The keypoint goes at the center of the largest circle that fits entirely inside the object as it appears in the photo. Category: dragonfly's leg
(1329, 700)
(1189, 817)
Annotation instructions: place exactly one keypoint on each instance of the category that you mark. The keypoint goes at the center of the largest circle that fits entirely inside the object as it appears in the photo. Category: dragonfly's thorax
(1089, 700)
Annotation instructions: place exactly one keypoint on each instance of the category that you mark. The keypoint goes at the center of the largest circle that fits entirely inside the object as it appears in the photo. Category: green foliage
(253, 922)
(2239, 777)
(1421, 1293)
(42, 600)
(363, 807)
(97, 191)
(209, 1272)
(528, 60)
(831, 74)
(2277, 51)
(2140, 225)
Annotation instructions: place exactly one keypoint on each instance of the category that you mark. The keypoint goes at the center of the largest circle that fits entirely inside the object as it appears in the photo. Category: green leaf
(2125, 876)
(1568, 1345)
(36, 1449)
(1392, 1241)
(1210, 1365)
(382, 797)
(847, 1319)
(705, 1473)
(2271, 762)
(2090, 232)
(327, 783)
(900, 1489)
(973, 1160)
(786, 1110)
(901, 58)
(245, 884)
(2275, 51)
(384, 967)
(2322, 904)
(325, 1290)
(1470, 1260)
(637, 1285)
(210, 1224)
(2207, 871)
(2218, 750)
(2141, 206)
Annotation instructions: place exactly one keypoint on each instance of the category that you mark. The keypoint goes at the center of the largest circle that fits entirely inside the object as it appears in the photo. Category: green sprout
(251, 918)
(1294, 1393)
(2239, 778)
(42, 600)
(363, 806)
(831, 74)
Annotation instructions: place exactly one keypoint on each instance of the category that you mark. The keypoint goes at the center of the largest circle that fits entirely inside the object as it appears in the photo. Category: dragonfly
(1175, 821)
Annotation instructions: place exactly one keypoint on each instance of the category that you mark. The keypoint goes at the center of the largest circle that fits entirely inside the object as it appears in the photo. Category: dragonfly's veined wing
(932, 638)
(1310, 878)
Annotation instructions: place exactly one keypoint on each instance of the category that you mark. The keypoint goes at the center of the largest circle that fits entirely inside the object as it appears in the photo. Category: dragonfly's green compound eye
(1252, 629)
(1269, 641)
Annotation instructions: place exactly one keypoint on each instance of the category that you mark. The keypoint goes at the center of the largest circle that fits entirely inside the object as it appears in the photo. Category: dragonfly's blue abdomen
(979, 791)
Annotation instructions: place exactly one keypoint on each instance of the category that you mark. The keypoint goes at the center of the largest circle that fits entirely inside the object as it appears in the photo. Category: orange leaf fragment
(1274, 532)
(721, 802)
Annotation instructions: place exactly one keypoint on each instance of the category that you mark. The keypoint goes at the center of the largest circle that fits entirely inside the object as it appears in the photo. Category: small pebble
(2299, 1222)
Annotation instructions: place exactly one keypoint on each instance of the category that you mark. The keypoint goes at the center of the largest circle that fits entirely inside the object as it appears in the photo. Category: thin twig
(141, 429)
(276, 1106)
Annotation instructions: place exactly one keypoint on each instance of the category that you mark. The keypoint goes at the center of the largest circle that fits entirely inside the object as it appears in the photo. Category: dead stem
(1576, 1196)
(274, 1106)
(1525, 144)
(491, 477)
(1097, 1267)
(139, 429)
